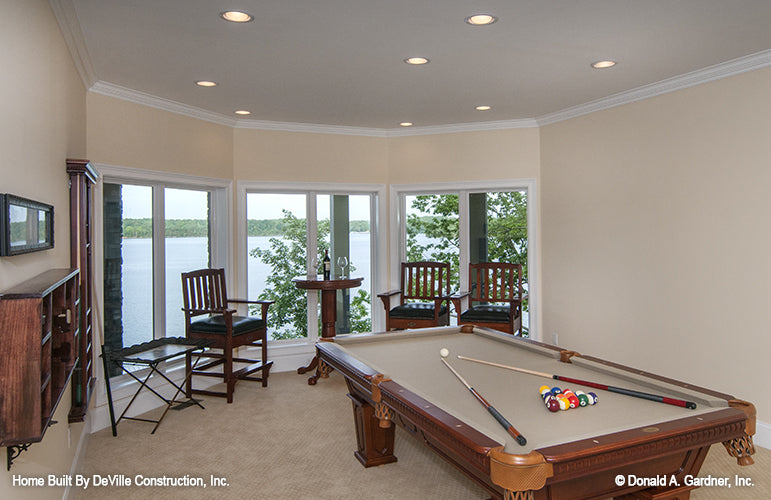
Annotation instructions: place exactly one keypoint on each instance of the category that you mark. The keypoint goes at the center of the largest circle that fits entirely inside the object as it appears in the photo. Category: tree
(507, 228)
(440, 229)
(286, 257)
(506, 217)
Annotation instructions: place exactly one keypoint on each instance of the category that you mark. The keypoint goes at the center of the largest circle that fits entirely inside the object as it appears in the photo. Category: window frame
(378, 249)
(398, 220)
(221, 214)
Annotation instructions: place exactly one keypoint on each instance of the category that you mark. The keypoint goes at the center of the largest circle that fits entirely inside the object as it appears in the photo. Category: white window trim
(221, 230)
(123, 386)
(397, 243)
(378, 257)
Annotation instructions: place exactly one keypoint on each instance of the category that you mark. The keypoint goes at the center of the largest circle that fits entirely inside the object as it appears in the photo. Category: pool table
(587, 452)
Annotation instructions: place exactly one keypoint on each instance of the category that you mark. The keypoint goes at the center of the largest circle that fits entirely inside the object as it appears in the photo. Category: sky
(189, 204)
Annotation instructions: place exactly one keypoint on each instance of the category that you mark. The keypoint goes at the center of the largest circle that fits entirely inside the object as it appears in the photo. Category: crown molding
(310, 128)
(463, 127)
(69, 25)
(698, 77)
(127, 94)
(378, 132)
(734, 67)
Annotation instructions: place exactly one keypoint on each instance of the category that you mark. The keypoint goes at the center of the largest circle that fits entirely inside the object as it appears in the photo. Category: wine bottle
(327, 265)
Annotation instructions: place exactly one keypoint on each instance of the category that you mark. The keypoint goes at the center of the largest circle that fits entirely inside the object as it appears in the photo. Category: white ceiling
(340, 62)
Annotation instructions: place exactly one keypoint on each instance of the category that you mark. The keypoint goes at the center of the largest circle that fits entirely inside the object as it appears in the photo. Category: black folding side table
(151, 354)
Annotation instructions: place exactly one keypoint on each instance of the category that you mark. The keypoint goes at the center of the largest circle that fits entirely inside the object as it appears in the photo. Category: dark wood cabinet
(39, 326)
(83, 177)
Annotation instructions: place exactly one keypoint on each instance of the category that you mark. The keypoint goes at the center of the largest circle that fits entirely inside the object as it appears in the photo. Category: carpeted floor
(294, 441)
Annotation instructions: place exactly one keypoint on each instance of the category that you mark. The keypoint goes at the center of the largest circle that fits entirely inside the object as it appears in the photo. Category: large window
(287, 233)
(128, 264)
(155, 227)
(187, 246)
(432, 231)
(469, 224)
(277, 252)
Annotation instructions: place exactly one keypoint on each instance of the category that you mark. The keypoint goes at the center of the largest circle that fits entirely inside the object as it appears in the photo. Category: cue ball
(443, 352)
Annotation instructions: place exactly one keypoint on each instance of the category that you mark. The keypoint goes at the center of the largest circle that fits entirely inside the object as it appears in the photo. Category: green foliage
(137, 228)
(441, 226)
(275, 227)
(506, 230)
(264, 227)
(175, 228)
(287, 318)
(181, 228)
(286, 257)
(360, 317)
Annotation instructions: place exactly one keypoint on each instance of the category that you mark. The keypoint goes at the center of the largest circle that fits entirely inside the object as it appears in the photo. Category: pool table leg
(518, 495)
(742, 447)
(375, 443)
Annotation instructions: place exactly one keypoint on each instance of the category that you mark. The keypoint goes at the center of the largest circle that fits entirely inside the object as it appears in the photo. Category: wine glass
(313, 271)
(342, 263)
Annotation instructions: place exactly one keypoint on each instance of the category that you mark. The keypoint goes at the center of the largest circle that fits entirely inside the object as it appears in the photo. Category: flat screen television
(25, 226)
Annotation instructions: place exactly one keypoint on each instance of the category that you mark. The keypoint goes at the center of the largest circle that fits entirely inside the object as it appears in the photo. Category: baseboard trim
(762, 436)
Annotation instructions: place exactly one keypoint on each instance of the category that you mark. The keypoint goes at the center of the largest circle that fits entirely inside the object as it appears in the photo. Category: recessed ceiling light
(406, 124)
(243, 112)
(206, 83)
(236, 16)
(483, 108)
(481, 19)
(603, 64)
(416, 61)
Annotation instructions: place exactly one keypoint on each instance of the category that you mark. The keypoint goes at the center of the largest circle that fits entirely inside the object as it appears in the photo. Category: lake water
(187, 254)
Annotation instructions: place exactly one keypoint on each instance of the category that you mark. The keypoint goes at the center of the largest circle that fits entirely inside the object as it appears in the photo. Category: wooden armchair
(423, 297)
(205, 294)
(491, 283)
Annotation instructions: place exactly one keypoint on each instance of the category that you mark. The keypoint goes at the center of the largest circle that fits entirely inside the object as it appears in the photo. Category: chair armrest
(438, 300)
(263, 303)
(457, 299)
(442, 298)
(386, 298)
(241, 301)
(198, 312)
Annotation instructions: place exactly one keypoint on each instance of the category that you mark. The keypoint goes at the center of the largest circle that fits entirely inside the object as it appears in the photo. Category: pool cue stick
(500, 418)
(618, 390)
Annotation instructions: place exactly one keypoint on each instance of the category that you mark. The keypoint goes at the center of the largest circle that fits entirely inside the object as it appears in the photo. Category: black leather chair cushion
(216, 324)
(487, 313)
(416, 310)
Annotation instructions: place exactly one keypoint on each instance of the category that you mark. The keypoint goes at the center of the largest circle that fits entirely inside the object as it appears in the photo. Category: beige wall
(655, 232)
(42, 123)
(653, 215)
(307, 157)
(124, 134)
(466, 156)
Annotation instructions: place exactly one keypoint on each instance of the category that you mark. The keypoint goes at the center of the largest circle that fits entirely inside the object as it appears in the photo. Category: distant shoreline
(190, 228)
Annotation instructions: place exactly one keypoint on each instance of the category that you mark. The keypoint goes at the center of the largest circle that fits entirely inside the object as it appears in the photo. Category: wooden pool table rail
(580, 469)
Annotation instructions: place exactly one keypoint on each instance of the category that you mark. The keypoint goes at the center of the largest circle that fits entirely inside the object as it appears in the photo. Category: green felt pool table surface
(412, 359)
(402, 373)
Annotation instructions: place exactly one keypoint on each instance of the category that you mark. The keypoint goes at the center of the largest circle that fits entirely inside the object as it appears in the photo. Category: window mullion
(311, 231)
(159, 263)
(463, 238)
